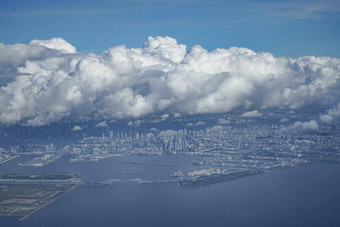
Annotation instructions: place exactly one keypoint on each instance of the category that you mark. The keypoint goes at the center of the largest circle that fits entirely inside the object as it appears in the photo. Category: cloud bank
(306, 126)
(331, 114)
(54, 82)
(253, 113)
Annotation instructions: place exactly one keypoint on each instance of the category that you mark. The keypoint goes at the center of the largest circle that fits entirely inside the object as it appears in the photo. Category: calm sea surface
(307, 195)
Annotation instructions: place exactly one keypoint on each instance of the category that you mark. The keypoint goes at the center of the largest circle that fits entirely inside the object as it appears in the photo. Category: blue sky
(284, 28)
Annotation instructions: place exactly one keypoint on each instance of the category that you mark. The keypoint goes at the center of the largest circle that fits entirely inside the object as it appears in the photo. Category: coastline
(68, 191)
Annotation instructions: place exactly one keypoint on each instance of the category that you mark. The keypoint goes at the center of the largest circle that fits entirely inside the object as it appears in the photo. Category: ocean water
(307, 195)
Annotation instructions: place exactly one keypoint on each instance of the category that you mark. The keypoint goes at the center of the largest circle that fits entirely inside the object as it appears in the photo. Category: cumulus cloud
(138, 122)
(177, 115)
(77, 128)
(216, 128)
(200, 123)
(53, 82)
(283, 120)
(14, 56)
(308, 125)
(55, 44)
(223, 121)
(331, 114)
(164, 117)
(102, 124)
(253, 113)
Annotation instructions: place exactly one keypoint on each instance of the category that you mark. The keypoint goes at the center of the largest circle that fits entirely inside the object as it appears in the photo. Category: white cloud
(77, 128)
(253, 113)
(102, 124)
(14, 56)
(331, 114)
(166, 47)
(53, 82)
(138, 122)
(283, 120)
(177, 115)
(216, 128)
(199, 123)
(223, 121)
(308, 125)
(164, 117)
(326, 118)
(55, 44)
